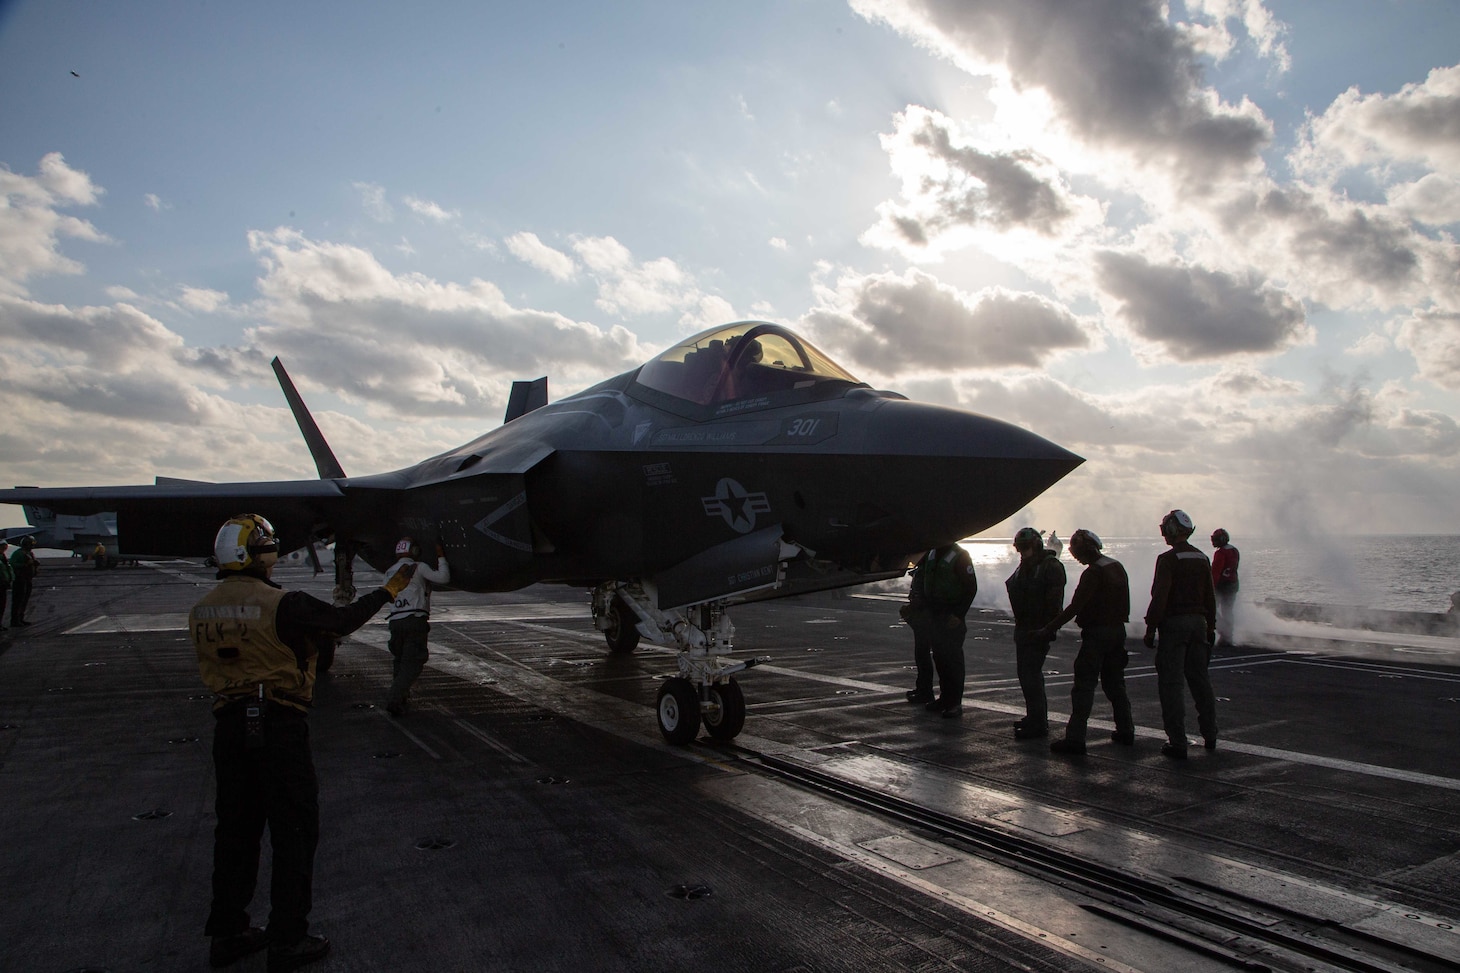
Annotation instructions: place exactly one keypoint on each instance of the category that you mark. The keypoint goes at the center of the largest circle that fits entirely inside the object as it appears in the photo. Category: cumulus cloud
(533, 252)
(954, 190)
(1214, 38)
(406, 343)
(891, 324)
(31, 224)
(1191, 314)
(1433, 338)
(1114, 73)
(1419, 124)
(627, 286)
(154, 202)
(1433, 199)
(203, 299)
(1341, 253)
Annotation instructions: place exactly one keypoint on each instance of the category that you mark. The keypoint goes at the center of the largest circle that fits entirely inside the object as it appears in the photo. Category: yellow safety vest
(239, 648)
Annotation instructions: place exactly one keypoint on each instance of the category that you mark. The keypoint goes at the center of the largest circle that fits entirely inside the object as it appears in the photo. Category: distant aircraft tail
(324, 458)
(39, 516)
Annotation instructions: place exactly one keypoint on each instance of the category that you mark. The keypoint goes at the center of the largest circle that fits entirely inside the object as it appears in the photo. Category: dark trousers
(19, 599)
(273, 785)
(1182, 658)
(4, 596)
(1030, 652)
(408, 646)
(1100, 662)
(938, 647)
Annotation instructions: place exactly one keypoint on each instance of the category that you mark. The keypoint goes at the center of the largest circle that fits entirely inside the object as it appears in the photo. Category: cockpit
(742, 361)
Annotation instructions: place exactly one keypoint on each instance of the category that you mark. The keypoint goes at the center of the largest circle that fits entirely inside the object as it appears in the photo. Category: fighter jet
(77, 534)
(740, 464)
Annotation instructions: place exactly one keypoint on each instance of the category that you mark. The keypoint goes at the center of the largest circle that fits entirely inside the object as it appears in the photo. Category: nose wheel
(679, 711)
(725, 717)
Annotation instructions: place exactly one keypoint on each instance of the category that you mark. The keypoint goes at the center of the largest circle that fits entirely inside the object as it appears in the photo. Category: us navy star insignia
(736, 505)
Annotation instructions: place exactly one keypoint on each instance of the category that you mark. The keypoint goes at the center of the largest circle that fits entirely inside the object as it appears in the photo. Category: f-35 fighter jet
(740, 464)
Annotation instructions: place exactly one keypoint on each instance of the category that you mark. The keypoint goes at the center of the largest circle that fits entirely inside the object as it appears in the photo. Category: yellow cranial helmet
(246, 541)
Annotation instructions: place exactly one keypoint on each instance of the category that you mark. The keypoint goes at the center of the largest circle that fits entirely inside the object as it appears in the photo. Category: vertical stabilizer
(525, 397)
(324, 458)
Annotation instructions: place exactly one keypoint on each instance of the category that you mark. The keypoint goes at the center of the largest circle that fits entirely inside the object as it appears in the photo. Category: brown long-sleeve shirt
(1182, 586)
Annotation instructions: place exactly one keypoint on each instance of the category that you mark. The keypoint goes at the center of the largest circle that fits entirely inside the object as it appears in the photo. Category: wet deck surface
(526, 815)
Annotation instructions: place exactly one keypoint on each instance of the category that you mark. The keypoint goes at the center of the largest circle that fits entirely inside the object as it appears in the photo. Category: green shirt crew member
(943, 587)
(1101, 607)
(7, 575)
(1036, 594)
(23, 569)
(1184, 613)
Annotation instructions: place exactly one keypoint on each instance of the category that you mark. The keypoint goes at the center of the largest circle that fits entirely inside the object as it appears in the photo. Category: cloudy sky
(1207, 245)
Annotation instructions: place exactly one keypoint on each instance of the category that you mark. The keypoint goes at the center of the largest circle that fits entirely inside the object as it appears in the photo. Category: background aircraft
(78, 534)
(742, 463)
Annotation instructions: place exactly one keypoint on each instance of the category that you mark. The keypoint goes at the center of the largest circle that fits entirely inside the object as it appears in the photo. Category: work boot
(915, 696)
(395, 709)
(307, 950)
(1173, 751)
(1126, 738)
(1067, 746)
(1023, 731)
(953, 712)
(1211, 743)
(935, 705)
(227, 950)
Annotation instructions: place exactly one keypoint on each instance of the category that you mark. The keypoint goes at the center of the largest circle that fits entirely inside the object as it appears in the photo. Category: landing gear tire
(622, 633)
(679, 711)
(727, 724)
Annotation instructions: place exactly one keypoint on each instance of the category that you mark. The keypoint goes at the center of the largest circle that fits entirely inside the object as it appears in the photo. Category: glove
(905, 612)
(1211, 639)
(1150, 639)
(397, 582)
(440, 552)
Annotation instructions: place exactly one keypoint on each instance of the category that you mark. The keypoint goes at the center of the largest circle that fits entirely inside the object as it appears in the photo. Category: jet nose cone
(953, 473)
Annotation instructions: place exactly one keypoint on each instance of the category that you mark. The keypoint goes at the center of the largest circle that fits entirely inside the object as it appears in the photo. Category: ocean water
(1395, 572)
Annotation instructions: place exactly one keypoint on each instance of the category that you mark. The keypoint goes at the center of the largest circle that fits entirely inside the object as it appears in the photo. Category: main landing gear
(705, 689)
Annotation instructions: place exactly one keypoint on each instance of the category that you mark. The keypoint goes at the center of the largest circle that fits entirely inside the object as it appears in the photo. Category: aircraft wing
(181, 518)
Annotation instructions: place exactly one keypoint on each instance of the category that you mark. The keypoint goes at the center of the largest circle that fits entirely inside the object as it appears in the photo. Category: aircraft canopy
(738, 361)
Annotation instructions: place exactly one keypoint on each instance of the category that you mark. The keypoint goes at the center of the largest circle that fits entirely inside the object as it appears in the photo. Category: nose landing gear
(705, 691)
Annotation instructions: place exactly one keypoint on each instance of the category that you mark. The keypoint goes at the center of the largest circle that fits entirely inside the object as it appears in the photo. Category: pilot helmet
(1177, 524)
(1027, 537)
(1083, 538)
(27, 542)
(244, 542)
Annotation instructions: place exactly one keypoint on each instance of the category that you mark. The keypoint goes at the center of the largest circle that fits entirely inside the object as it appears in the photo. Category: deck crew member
(1183, 611)
(410, 620)
(942, 589)
(1224, 581)
(7, 575)
(1036, 594)
(23, 569)
(256, 649)
(1101, 607)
